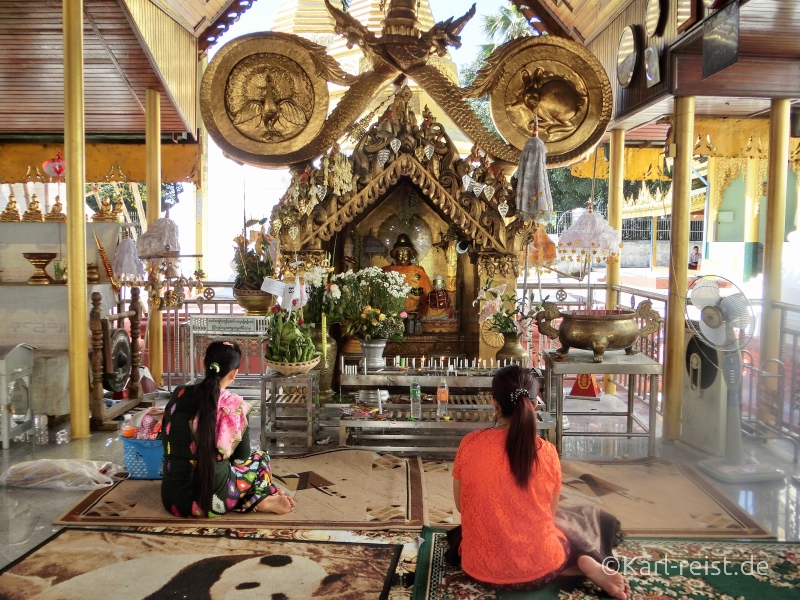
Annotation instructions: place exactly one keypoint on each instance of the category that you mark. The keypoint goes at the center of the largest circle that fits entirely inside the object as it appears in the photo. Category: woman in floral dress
(208, 466)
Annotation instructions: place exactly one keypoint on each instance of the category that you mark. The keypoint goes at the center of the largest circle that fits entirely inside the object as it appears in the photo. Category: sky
(236, 189)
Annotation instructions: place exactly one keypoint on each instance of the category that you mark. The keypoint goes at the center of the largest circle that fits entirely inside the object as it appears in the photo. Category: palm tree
(505, 25)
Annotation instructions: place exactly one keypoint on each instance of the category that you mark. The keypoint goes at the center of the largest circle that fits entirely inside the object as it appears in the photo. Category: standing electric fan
(720, 315)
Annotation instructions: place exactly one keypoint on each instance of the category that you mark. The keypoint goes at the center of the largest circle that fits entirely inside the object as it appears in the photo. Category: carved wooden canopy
(473, 193)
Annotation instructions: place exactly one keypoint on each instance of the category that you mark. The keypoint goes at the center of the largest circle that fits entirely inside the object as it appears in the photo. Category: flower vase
(373, 353)
(327, 364)
(512, 349)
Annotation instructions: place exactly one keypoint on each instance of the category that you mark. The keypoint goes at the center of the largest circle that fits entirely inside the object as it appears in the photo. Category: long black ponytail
(515, 390)
(221, 358)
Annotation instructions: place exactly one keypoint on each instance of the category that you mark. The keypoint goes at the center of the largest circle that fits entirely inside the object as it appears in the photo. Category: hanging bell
(172, 272)
(502, 208)
(429, 149)
(395, 145)
(467, 180)
(383, 156)
(488, 193)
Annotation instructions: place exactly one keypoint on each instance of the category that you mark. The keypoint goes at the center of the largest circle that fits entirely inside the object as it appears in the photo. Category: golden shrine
(265, 101)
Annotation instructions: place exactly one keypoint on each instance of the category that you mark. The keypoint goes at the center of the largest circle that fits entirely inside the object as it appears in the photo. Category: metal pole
(75, 154)
(674, 364)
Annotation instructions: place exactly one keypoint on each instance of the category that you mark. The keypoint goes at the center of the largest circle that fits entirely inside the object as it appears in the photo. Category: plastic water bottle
(442, 397)
(416, 400)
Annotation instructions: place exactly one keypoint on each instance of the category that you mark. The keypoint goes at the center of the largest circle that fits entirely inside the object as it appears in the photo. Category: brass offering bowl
(254, 302)
(40, 260)
(598, 330)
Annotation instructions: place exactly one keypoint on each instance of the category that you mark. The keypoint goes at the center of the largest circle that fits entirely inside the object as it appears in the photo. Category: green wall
(733, 201)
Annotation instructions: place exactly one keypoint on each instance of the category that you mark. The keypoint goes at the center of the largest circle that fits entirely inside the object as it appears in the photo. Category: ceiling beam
(548, 18)
(777, 78)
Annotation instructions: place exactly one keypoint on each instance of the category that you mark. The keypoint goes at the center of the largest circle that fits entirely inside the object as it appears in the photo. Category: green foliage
(288, 338)
(256, 262)
(503, 26)
(505, 312)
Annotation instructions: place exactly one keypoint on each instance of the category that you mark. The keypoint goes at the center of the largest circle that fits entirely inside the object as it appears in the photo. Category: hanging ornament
(488, 192)
(467, 180)
(383, 156)
(395, 145)
(477, 188)
(429, 149)
(419, 152)
(294, 230)
(276, 226)
(502, 208)
(322, 191)
(533, 187)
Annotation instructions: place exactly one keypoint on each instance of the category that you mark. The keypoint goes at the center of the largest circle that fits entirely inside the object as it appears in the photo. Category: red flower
(300, 321)
(276, 308)
(294, 302)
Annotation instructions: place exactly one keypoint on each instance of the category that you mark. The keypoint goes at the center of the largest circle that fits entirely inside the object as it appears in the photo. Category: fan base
(748, 472)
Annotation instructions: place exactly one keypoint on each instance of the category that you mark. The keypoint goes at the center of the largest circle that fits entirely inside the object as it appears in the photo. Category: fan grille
(712, 294)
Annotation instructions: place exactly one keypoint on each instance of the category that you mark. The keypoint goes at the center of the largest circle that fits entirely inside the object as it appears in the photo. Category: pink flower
(300, 321)
(294, 302)
(403, 314)
(276, 308)
(489, 309)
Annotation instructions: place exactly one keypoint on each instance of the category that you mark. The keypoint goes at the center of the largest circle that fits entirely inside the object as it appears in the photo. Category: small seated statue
(56, 213)
(105, 213)
(11, 212)
(34, 213)
(440, 318)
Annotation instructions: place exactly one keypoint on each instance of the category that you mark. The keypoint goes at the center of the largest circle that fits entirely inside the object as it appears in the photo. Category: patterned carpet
(336, 489)
(657, 569)
(97, 565)
(651, 498)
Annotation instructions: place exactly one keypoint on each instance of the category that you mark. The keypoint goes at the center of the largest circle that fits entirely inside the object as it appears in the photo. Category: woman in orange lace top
(506, 485)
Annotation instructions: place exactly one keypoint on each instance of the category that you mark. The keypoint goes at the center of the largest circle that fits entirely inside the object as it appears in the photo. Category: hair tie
(517, 394)
(214, 367)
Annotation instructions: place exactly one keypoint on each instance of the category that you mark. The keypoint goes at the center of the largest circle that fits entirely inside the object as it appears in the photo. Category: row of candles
(443, 365)
(451, 364)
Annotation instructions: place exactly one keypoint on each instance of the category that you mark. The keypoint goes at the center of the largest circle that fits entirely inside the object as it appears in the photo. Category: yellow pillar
(752, 197)
(201, 192)
(74, 152)
(153, 159)
(654, 248)
(683, 125)
(776, 223)
(616, 169)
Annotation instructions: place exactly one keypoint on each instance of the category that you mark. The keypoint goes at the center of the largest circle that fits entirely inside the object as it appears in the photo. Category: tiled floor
(26, 514)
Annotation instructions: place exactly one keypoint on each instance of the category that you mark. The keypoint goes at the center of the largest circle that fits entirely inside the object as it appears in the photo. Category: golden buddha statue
(403, 253)
(11, 212)
(34, 213)
(56, 213)
(105, 213)
(118, 208)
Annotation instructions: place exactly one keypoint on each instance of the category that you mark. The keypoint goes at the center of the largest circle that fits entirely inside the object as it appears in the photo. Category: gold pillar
(683, 125)
(74, 151)
(654, 248)
(153, 158)
(616, 174)
(752, 197)
(201, 191)
(776, 223)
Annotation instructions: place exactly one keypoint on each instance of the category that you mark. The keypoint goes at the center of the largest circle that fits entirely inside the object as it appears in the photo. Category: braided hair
(515, 390)
(221, 358)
